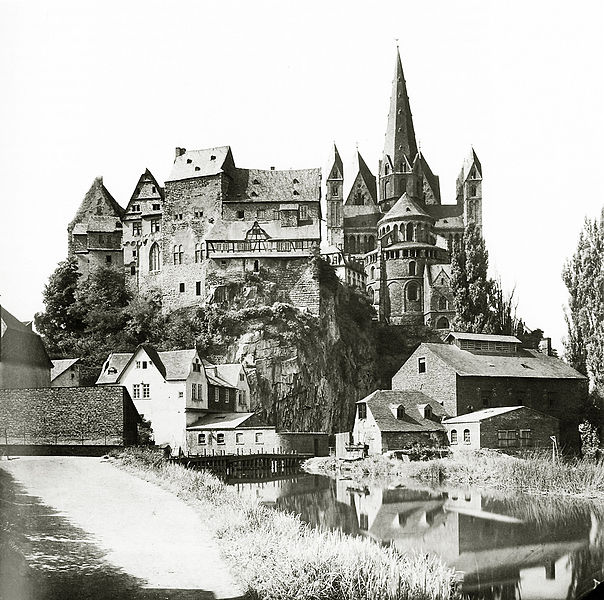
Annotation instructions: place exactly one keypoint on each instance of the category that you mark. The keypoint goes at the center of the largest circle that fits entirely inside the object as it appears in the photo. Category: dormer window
(189, 161)
(253, 194)
(296, 193)
(112, 370)
(400, 412)
(427, 412)
(212, 157)
(256, 182)
(296, 181)
(197, 169)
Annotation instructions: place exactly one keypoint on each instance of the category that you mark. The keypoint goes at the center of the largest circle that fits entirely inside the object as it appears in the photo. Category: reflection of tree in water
(506, 591)
(588, 563)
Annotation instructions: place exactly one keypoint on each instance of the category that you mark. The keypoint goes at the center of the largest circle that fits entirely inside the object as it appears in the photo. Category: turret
(469, 189)
(335, 198)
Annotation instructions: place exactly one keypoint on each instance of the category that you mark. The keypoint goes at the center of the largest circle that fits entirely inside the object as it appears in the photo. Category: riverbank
(280, 558)
(533, 474)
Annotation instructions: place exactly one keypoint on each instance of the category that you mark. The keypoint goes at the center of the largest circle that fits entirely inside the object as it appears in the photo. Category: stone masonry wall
(50, 416)
(542, 427)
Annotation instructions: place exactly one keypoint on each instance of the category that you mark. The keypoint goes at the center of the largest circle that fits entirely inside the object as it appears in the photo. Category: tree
(60, 322)
(469, 264)
(502, 316)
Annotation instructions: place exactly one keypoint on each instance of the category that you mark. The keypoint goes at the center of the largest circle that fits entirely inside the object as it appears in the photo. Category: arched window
(466, 436)
(409, 232)
(412, 292)
(400, 412)
(372, 271)
(197, 253)
(427, 412)
(472, 190)
(412, 268)
(177, 255)
(352, 245)
(256, 266)
(454, 436)
(442, 323)
(442, 303)
(371, 242)
(154, 262)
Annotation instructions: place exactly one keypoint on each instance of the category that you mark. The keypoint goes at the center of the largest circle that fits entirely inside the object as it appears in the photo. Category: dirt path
(147, 532)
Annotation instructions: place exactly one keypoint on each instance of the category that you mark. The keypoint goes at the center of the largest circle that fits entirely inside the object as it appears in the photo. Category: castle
(214, 224)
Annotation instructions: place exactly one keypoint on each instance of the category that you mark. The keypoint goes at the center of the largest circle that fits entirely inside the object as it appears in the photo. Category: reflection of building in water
(499, 554)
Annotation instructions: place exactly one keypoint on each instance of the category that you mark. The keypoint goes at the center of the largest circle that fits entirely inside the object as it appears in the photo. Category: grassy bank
(534, 473)
(280, 558)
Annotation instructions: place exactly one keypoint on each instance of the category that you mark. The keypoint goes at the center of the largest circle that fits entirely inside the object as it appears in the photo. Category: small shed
(504, 427)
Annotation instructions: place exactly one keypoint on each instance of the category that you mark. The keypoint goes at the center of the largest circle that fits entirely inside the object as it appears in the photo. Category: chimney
(179, 152)
(545, 346)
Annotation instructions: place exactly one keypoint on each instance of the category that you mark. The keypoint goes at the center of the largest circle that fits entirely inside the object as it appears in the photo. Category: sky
(111, 88)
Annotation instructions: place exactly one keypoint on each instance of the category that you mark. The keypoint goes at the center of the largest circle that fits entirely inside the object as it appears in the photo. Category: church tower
(469, 190)
(396, 174)
(335, 199)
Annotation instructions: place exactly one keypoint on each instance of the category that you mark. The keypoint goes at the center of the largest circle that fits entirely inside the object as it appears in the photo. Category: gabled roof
(488, 413)
(227, 421)
(469, 161)
(59, 366)
(400, 143)
(360, 172)
(97, 197)
(524, 363)
(19, 344)
(260, 185)
(336, 169)
(139, 189)
(405, 207)
(382, 402)
(422, 165)
(113, 367)
(201, 163)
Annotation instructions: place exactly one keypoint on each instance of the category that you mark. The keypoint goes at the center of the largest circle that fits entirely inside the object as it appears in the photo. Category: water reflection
(503, 548)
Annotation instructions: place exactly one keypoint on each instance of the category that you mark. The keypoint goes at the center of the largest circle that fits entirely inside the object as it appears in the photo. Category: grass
(533, 473)
(280, 558)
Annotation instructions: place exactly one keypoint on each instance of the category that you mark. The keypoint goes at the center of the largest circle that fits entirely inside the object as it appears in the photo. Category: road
(142, 530)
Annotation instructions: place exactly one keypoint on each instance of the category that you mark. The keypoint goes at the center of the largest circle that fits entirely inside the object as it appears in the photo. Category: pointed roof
(405, 207)
(362, 171)
(146, 177)
(400, 141)
(470, 161)
(422, 165)
(97, 197)
(336, 170)
(19, 344)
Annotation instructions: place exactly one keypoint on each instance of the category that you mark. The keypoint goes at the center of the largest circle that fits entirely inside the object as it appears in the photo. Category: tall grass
(535, 472)
(280, 558)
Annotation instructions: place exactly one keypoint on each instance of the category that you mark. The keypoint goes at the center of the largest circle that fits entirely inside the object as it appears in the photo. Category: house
(506, 427)
(65, 372)
(24, 362)
(174, 389)
(470, 372)
(397, 419)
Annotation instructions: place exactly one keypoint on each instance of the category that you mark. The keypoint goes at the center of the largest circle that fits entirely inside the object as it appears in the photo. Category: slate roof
(486, 413)
(59, 366)
(433, 180)
(337, 163)
(381, 401)
(444, 211)
(19, 344)
(237, 230)
(360, 221)
(199, 163)
(89, 204)
(454, 222)
(117, 361)
(483, 337)
(524, 363)
(146, 177)
(360, 169)
(227, 421)
(405, 207)
(259, 185)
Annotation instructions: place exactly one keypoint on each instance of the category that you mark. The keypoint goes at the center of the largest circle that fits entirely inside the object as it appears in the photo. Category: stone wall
(399, 440)
(542, 426)
(19, 375)
(304, 443)
(236, 441)
(67, 416)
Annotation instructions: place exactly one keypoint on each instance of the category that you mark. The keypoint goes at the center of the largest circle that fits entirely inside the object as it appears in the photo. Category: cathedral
(214, 227)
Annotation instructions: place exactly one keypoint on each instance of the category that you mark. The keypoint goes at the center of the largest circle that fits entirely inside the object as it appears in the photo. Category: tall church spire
(400, 145)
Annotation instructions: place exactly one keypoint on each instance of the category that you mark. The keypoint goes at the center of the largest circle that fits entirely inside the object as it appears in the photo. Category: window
(177, 254)
(507, 438)
(442, 323)
(466, 436)
(363, 522)
(155, 225)
(198, 214)
(486, 396)
(144, 364)
(256, 266)
(138, 364)
(137, 228)
(136, 391)
(453, 436)
(193, 392)
(443, 303)
(198, 288)
(362, 410)
(181, 394)
(239, 438)
(400, 412)
(220, 438)
(201, 438)
(197, 253)
(156, 206)
(421, 364)
(181, 287)
(412, 292)
(241, 377)
(526, 438)
(240, 214)
(146, 390)
(472, 190)
(259, 437)
(427, 412)
(334, 190)
(136, 208)
(303, 212)
(154, 262)
(412, 268)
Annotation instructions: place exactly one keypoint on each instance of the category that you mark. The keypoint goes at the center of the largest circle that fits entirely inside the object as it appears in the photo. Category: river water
(502, 548)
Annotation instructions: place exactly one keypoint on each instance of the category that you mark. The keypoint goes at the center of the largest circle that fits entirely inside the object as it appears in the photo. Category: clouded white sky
(110, 88)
